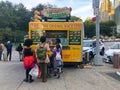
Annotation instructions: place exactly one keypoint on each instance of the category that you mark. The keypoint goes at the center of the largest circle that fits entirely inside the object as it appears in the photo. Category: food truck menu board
(74, 37)
(35, 36)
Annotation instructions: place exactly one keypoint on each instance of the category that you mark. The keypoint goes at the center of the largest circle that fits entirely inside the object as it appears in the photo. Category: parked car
(115, 48)
(89, 46)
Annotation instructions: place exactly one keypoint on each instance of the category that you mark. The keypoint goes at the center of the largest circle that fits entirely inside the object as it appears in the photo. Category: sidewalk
(95, 78)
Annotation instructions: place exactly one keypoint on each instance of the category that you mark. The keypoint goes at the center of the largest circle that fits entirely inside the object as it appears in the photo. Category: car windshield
(116, 46)
(87, 43)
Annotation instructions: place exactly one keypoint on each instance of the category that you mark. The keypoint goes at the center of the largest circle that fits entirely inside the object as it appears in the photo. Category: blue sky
(80, 8)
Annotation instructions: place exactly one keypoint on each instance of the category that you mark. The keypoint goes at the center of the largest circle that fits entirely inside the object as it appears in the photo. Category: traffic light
(36, 16)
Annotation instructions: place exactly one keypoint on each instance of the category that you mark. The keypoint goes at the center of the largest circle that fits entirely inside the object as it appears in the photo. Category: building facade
(106, 11)
(117, 14)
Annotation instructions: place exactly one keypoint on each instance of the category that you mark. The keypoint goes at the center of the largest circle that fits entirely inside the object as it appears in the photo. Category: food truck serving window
(52, 35)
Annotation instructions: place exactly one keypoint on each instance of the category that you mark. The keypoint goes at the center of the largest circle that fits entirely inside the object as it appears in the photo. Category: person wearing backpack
(57, 60)
(58, 42)
(19, 49)
(42, 57)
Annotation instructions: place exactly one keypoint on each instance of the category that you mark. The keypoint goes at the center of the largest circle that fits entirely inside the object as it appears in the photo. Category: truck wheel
(102, 52)
(91, 56)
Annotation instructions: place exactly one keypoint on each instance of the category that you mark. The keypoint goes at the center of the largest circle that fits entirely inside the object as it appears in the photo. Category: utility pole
(97, 58)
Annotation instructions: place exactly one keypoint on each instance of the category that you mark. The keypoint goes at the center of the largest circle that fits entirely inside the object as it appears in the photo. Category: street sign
(95, 3)
(96, 7)
(96, 11)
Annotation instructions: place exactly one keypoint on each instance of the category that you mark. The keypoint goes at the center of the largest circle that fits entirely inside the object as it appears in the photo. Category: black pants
(9, 53)
(28, 77)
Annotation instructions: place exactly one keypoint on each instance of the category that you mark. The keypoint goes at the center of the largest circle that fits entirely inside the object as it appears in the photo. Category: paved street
(95, 78)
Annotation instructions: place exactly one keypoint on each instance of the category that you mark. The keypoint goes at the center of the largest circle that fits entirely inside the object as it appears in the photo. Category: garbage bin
(116, 60)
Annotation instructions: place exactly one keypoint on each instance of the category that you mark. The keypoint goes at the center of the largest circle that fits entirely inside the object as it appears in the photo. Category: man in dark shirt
(19, 49)
(9, 49)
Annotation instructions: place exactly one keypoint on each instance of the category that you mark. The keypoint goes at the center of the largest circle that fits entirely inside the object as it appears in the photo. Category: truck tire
(102, 52)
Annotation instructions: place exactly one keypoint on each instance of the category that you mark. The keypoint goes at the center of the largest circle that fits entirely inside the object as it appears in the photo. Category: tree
(13, 18)
(106, 28)
(23, 17)
(74, 18)
(89, 28)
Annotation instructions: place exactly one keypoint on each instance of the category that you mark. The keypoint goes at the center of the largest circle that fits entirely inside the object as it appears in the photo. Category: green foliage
(13, 18)
(7, 34)
(89, 28)
(74, 18)
(106, 28)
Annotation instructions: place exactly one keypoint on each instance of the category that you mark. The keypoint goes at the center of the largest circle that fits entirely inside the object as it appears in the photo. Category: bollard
(88, 59)
(116, 61)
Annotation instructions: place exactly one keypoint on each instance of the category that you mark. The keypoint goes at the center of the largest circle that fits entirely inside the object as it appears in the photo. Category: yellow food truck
(70, 34)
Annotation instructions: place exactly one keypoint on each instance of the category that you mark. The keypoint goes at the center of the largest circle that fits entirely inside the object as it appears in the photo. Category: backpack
(19, 48)
(58, 56)
(41, 53)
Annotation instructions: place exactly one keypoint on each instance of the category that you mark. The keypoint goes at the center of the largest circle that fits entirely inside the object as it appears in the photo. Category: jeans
(20, 55)
(0, 55)
(9, 53)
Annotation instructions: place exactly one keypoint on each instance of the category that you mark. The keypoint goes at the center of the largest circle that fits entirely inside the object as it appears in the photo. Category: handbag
(35, 71)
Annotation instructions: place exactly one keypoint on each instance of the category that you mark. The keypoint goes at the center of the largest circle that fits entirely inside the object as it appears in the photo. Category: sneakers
(30, 81)
(25, 80)
(44, 80)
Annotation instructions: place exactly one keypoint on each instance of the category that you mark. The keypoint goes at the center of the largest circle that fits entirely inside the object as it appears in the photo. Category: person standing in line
(4, 52)
(9, 49)
(57, 53)
(42, 63)
(19, 49)
(29, 59)
(58, 41)
(1, 50)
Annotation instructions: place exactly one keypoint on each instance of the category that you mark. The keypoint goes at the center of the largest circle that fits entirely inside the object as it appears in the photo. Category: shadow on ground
(114, 75)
